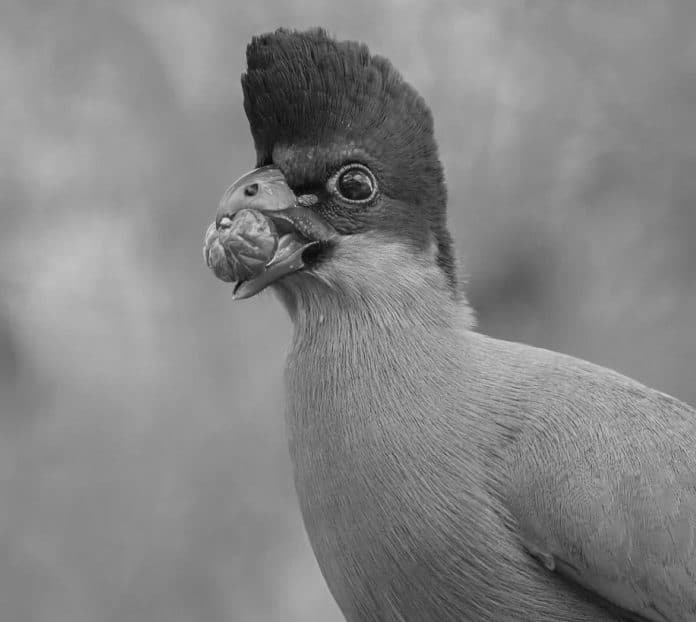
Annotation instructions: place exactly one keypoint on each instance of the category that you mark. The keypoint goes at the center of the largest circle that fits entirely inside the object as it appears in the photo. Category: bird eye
(355, 183)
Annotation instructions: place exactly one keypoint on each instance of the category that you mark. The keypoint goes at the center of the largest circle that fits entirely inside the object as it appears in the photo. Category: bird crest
(306, 86)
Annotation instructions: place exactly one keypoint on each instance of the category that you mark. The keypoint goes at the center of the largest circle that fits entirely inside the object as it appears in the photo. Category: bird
(442, 474)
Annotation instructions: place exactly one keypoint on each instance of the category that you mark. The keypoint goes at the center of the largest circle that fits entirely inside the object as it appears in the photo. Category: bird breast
(396, 483)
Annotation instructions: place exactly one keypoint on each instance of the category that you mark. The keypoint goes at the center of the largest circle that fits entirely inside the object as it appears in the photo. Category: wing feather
(603, 489)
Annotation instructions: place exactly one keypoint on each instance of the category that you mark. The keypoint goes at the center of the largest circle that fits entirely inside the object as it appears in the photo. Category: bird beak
(261, 232)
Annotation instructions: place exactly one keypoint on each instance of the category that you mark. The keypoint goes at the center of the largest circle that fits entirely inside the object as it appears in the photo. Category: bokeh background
(143, 466)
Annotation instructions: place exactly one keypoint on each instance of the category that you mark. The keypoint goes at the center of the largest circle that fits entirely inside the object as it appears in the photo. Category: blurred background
(143, 467)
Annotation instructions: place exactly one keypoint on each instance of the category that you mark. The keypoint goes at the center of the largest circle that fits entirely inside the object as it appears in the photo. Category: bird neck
(378, 284)
(383, 409)
(389, 309)
(376, 346)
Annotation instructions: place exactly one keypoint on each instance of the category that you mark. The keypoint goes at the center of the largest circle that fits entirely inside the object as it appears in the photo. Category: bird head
(348, 189)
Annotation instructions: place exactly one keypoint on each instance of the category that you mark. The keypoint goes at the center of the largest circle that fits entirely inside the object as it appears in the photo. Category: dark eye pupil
(355, 185)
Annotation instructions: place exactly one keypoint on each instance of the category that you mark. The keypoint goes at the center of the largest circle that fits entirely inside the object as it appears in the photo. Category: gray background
(143, 468)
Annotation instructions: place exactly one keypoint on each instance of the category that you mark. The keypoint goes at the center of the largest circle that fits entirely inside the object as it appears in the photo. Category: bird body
(427, 455)
(442, 474)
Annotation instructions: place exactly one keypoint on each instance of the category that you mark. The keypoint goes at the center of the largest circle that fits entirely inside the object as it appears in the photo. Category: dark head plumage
(307, 89)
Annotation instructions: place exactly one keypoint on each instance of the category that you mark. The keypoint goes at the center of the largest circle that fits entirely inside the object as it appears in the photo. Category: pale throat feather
(375, 392)
(375, 314)
(377, 339)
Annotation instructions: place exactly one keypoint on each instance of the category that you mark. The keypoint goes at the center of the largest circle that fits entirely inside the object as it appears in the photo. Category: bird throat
(371, 380)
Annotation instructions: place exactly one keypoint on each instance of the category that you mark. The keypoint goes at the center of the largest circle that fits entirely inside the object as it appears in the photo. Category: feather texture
(424, 453)
(444, 475)
(604, 482)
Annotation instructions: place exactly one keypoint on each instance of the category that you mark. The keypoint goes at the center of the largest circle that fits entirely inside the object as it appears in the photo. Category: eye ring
(353, 183)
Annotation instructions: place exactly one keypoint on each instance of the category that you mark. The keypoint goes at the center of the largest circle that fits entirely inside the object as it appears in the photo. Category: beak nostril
(251, 190)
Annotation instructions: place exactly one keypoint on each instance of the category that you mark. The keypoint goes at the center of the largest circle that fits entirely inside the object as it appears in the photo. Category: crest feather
(306, 85)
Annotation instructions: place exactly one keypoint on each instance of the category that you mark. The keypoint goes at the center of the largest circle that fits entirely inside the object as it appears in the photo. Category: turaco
(443, 475)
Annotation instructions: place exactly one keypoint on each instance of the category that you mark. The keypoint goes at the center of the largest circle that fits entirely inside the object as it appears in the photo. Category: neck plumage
(385, 425)
(380, 284)
(377, 349)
